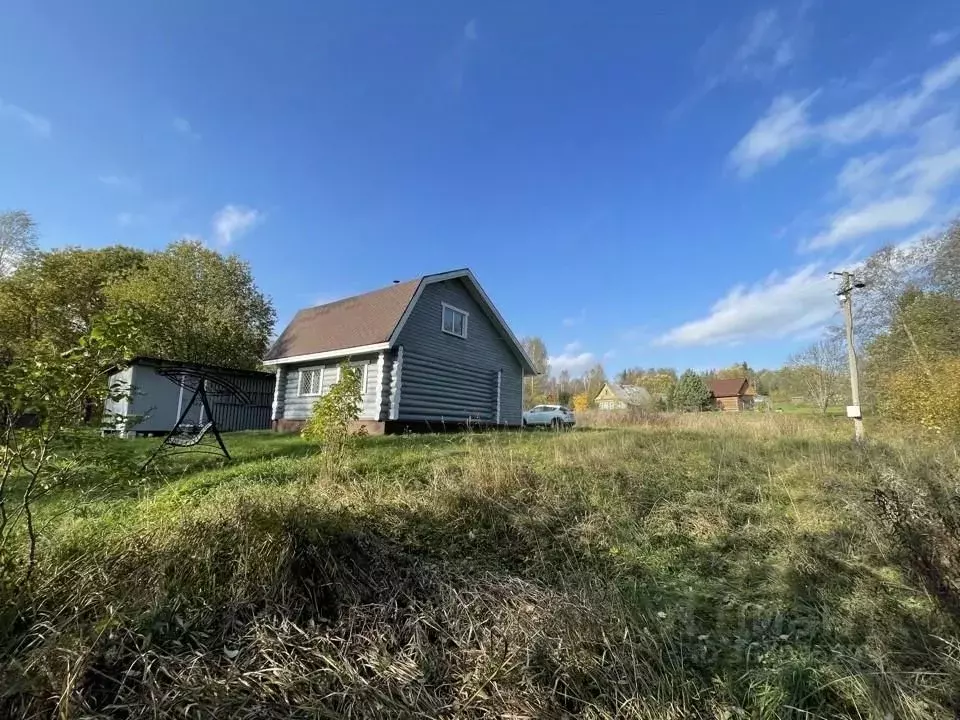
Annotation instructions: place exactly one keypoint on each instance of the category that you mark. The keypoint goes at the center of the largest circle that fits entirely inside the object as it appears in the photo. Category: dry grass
(704, 566)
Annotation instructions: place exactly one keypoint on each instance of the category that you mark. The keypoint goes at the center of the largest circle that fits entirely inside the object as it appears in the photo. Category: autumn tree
(691, 393)
(197, 305)
(592, 381)
(927, 396)
(535, 386)
(659, 382)
(581, 401)
(820, 371)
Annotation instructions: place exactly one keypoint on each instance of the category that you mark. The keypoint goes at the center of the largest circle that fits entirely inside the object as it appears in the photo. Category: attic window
(454, 321)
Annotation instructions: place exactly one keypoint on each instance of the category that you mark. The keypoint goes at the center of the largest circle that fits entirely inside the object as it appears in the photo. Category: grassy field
(697, 566)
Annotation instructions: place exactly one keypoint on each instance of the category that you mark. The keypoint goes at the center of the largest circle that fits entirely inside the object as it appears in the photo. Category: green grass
(698, 566)
(806, 409)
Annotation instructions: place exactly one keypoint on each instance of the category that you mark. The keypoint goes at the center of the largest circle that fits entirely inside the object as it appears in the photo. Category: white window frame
(324, 387)
(466, 319)
(316, 369)
(363, 375)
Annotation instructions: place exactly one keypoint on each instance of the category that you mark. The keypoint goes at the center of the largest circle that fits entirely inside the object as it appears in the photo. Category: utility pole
(847, 285)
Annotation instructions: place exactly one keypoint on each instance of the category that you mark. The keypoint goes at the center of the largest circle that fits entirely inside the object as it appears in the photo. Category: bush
(923, 521)
(333, 415)
(927, 395)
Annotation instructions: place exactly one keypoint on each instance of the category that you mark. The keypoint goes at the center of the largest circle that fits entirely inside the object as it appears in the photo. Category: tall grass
(702, 566)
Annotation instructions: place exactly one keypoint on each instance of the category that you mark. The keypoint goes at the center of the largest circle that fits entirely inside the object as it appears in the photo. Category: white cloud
(183, 126)
(897, 188)
(863, 175)
(931, 172)
(119, 181)
(609, 354)
(574, 363)
(232, 221)
(898, 212)
(766, 47)
(783, 128)
(776, 308)
(126, 219)
(786, 125)
(575, 319)
(943, 37)
(37, 124)
(757, 49)
(573, 347)
(470, 30)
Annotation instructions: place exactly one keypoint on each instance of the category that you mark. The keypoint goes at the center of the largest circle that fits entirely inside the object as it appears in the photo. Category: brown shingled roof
(727, 387)
(352, 322)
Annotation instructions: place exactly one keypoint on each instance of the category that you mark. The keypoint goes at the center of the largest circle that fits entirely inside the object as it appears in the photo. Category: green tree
(691, 393)
(55, 296)
(197, 305)
(42, 395)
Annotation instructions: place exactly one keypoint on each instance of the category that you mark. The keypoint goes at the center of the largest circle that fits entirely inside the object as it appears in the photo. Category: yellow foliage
(931, 400)
(580, 402)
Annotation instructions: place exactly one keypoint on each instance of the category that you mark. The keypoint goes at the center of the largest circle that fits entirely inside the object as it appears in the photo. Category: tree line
(907, 337)
(188, 302)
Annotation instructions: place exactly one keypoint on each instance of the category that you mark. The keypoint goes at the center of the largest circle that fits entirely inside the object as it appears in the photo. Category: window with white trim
(454, 321)
(362, 367)
(317, 381)
(311, 381)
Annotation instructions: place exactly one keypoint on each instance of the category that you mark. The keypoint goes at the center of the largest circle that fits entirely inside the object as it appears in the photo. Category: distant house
(621, 397)
(433, 352)
(732, 394)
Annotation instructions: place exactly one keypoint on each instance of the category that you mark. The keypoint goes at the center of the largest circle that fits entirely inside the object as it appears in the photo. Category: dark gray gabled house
(434, 352)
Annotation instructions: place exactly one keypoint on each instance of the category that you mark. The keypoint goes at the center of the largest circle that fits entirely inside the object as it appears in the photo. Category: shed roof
(727, 387)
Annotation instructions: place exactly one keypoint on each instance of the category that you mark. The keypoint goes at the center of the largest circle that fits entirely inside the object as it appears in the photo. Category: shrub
(923, 521)
(333, 415)
(928, 394)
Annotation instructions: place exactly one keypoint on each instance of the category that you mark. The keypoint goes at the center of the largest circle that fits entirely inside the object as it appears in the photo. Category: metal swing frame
(194, 378)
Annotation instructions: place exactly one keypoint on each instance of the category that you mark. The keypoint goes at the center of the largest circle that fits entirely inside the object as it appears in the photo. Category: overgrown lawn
(697, 566)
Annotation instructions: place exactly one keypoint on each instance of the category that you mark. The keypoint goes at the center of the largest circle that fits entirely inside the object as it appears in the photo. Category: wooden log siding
(455, 392)
(444, 377)
(298, 407)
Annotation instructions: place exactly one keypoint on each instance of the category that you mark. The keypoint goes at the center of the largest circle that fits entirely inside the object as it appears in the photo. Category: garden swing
(188, 435)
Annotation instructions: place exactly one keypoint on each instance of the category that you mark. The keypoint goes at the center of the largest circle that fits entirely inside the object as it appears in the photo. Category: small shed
(154, 401)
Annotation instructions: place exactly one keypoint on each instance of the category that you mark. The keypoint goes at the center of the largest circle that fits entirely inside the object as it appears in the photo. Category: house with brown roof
(433, 352)
(732, 394)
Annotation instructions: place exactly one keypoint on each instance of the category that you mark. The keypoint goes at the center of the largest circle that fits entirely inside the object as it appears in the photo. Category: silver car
(555, 416)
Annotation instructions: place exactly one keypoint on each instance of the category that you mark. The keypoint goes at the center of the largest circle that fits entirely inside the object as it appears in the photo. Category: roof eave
(329, 354)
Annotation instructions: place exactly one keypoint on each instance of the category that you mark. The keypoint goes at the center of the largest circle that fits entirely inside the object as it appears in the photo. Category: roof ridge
(362, 294)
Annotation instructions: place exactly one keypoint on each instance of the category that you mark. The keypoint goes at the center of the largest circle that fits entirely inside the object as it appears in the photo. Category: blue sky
(661, 183)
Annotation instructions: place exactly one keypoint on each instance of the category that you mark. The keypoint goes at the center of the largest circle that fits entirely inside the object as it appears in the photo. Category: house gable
(451, 378)
(605, 394)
